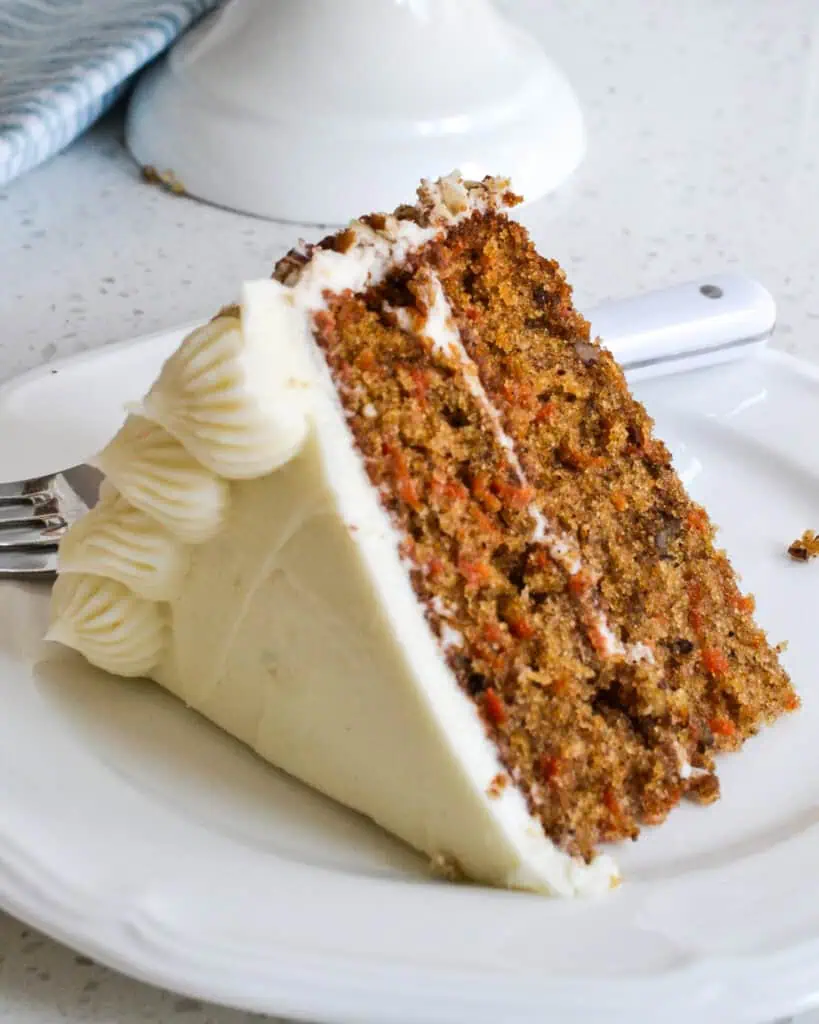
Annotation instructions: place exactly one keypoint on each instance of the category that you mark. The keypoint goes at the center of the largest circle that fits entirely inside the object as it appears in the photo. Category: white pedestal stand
(317, 110)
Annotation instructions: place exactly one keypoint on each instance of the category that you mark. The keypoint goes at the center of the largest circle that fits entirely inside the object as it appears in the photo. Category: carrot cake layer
(574, 586)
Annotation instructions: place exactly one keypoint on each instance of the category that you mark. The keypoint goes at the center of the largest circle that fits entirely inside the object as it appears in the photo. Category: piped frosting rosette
(108, 624)
(229, 404)
(156, 474)
(121, 542)
(230, 396)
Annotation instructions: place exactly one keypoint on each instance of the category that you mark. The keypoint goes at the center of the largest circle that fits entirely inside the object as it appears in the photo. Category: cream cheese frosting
(108, 624)
(158, 475)
(245, 563)
(120, 542)
(231, 400)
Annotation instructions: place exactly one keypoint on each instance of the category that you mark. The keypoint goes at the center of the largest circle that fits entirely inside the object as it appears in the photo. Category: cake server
(701, 323)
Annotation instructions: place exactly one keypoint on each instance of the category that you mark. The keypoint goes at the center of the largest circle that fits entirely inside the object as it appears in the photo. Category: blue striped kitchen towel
(64, 62)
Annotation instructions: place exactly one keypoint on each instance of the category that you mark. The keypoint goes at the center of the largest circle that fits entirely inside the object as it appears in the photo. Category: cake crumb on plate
(805, 548)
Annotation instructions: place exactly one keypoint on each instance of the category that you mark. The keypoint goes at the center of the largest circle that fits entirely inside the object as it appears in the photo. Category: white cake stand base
(315, 110)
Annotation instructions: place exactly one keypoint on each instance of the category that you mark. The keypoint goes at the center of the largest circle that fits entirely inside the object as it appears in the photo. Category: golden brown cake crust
(600, 741)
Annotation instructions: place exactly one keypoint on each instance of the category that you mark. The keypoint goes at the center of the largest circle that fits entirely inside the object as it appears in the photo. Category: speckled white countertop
(704, 155)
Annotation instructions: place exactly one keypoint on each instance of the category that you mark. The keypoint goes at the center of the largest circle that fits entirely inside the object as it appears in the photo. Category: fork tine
(34, 565)
(34, 515)
(39, 499)
(26, 490)
(14, 511)
(37, 532)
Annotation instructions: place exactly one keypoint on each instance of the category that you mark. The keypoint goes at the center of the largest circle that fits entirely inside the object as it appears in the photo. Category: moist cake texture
(571, 587)
(575, 587)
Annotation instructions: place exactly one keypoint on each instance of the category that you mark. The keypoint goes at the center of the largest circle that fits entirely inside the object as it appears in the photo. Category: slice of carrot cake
(396, 522)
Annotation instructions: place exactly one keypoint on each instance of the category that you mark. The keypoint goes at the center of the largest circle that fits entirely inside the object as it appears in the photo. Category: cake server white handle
(716, 319)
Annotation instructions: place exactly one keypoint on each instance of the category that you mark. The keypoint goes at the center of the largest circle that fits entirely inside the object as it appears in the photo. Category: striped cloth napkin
(64, 62)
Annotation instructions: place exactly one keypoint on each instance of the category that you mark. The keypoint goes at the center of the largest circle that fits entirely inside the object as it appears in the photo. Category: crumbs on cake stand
(164, 179)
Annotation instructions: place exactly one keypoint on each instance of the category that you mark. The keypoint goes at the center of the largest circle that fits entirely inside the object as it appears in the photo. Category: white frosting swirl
(111, 627)
(123, 543)
(156, 474)
(228, 394)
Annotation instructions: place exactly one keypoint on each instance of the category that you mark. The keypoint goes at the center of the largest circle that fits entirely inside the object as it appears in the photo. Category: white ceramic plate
(133, 830)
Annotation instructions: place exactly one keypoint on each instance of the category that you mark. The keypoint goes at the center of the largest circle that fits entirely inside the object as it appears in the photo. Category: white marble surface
(704, 155)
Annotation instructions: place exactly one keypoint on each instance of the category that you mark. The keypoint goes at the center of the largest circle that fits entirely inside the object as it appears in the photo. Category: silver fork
(34, 516)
